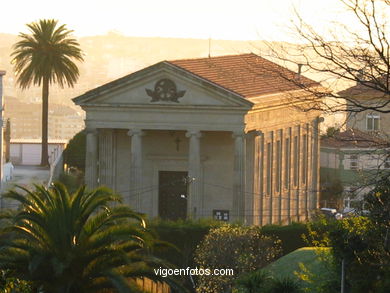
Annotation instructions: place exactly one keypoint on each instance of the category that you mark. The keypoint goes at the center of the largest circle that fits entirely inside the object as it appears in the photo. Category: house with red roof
(218, 137)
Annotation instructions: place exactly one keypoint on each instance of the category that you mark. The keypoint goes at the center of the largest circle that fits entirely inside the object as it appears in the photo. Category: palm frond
(49, 52)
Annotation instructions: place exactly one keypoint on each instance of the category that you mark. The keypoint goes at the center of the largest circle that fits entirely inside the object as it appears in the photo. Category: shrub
(13, 285)
(243, 249)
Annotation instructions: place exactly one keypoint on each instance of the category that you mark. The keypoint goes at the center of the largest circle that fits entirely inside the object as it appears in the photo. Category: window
(387, 163)
(353, 162)
(372, 121)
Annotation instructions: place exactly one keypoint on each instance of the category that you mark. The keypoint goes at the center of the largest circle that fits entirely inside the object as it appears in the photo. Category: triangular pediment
(162, 84)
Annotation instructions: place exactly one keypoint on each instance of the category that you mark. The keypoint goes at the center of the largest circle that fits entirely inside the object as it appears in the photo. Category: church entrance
(172, 195)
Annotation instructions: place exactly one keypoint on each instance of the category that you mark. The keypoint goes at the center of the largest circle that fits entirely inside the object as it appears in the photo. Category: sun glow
(217, 19)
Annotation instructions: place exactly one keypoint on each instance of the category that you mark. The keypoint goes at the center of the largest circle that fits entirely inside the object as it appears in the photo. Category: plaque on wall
(221, 215)
(165, 90)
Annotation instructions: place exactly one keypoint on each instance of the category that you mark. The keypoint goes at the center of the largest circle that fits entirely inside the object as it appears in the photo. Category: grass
(311, 266)
(312, 259)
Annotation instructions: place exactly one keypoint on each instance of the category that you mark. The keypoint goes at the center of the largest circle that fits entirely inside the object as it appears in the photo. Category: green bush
(74, 154)
(292, 236)
(12, 285)
(240, 248)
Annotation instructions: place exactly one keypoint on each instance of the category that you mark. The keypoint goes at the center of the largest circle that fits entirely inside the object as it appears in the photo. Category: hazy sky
(218, 19)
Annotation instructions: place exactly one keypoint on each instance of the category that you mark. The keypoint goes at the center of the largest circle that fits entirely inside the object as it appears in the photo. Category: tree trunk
(45, 122)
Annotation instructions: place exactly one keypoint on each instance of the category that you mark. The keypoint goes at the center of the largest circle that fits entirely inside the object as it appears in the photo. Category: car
(331, 213)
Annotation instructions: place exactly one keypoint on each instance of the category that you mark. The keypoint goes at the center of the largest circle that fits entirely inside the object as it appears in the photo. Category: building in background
(28, 151)
(25, 120)
(368, 120)
(211, 137)
(351, 163)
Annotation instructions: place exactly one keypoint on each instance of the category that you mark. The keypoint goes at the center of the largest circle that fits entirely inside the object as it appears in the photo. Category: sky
(216, 19)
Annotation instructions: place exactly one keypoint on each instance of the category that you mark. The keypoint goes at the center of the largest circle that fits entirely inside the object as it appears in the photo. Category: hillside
(111, 56)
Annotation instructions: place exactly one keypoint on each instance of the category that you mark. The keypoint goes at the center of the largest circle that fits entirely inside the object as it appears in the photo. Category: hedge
(290, 235)
(186, 235)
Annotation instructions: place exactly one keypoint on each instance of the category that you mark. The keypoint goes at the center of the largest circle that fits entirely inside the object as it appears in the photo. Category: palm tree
(285, 285)
(44, 57)
(80, 242)
(255, 282)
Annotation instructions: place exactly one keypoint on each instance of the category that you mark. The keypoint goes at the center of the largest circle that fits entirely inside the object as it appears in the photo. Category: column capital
(90, 130)
(258, 133)
(195, 133)
(238, 134)
(137, 132)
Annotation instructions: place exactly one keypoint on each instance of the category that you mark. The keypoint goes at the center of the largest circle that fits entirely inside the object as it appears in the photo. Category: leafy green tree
(81, 242)
(43, 57)
(362, 242)
(74, 154)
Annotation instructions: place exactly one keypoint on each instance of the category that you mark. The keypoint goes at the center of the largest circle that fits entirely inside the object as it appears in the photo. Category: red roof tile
(248, 75)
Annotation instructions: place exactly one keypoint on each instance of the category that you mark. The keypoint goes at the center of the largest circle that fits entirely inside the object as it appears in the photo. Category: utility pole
(343, 276)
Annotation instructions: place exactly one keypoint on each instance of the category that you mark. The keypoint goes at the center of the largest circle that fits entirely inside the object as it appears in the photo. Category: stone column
(106, 157)
(315, 184)
(136, 168)
(195, 206)
(288, 176)
(258, 179)
(238, 212)
(91, 158)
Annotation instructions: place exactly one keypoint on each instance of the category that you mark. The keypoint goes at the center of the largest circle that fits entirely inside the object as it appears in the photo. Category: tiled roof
(354, 138)
(248, 75)
(372, 88)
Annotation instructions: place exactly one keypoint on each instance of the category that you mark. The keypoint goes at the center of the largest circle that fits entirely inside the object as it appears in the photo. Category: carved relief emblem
(165, 90)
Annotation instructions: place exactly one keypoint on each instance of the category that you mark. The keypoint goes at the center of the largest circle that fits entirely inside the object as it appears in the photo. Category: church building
(220, 137)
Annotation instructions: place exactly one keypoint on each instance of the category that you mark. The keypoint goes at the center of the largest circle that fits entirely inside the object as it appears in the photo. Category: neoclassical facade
(213, 137)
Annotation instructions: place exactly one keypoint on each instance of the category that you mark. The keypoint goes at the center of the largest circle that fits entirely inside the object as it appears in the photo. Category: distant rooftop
(354, 138)
(371, 88)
